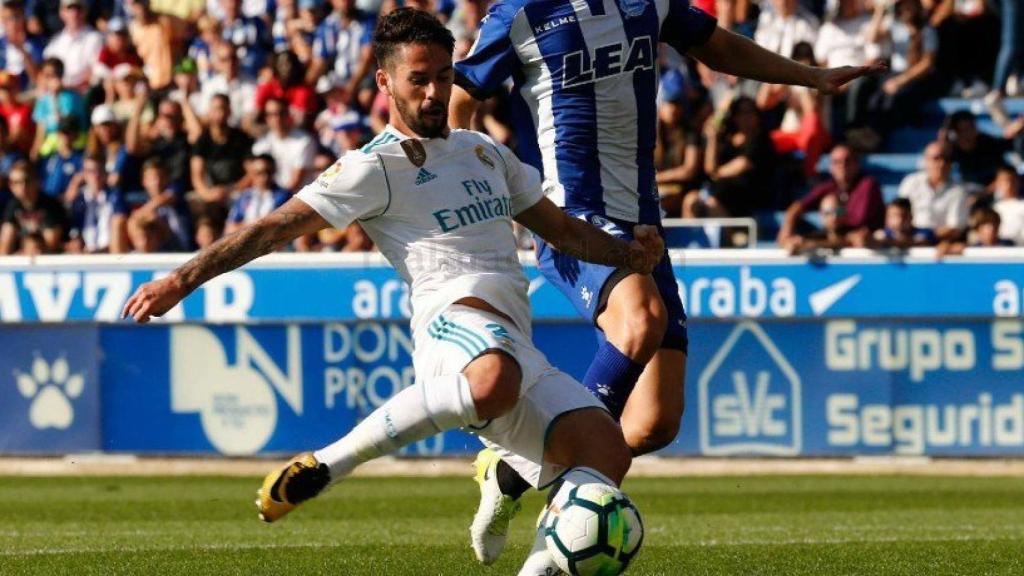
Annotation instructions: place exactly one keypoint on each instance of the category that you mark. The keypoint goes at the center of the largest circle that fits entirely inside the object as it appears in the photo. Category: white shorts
(460, 334)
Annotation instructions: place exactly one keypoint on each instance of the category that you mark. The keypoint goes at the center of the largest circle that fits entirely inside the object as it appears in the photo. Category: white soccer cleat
(489, 530)
(540, 562)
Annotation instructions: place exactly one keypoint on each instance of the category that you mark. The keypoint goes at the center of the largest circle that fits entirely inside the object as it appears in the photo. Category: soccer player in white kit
(440, 204)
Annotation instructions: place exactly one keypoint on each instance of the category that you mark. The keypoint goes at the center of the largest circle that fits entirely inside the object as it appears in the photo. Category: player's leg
(486, 388)
(654, 409)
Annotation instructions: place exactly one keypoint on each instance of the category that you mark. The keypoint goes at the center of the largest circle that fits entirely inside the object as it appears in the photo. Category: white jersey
(440, 210)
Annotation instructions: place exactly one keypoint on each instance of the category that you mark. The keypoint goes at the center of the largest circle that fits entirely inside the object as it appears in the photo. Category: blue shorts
(584, 283)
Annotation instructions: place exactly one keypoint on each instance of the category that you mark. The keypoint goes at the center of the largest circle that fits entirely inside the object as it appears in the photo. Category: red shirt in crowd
(301, 99)
(112, 59)
(862, 206)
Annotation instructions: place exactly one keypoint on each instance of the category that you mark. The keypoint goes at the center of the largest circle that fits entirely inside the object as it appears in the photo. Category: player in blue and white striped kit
(585, 78)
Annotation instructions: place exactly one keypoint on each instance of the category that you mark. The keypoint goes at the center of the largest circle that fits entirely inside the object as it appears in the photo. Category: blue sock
(611, 377)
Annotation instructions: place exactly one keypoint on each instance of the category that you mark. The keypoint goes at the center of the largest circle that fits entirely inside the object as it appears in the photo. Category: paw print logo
(586, 294)
(604, 390)
(51, 387)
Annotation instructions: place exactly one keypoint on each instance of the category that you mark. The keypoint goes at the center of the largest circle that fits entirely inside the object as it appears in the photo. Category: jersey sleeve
(492, 58)
(686, 26)
(523, 180)
(354, 187)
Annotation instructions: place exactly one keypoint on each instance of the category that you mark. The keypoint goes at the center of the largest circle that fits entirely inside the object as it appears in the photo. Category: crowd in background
(160, 125)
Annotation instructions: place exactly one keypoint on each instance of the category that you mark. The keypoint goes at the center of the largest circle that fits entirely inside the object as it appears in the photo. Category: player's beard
(427, 126)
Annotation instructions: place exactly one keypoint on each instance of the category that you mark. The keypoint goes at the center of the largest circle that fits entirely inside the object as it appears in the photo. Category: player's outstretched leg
(487, 388)
(497, 507)
(302, 478)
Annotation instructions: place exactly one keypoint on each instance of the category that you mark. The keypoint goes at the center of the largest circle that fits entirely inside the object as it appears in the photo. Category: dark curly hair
(408, 26)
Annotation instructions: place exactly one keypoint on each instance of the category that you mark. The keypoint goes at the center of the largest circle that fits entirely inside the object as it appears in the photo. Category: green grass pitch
(735, 525)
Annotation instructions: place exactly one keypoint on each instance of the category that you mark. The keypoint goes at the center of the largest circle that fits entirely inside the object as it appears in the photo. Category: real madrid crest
(481, 154)
(327, 176)
(415, 151)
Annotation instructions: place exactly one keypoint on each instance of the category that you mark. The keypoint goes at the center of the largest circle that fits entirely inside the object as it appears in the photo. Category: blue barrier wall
(857, 355)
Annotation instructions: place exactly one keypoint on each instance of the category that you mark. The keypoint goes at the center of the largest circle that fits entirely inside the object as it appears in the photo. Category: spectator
(292, 148)
(977, 155)
(248, 34)
(77, 46)
(99, 215)
(969, 33)
(55, 104)
(44, 17)
(20, 52)
(106, 142)
(259, 199)
(216, 162)
(287, 83)
(117, 50)
(850, 38)
(740, 161)
(30, 213)
(1011, 53)
(9, 155)
(858, 197)
(678, 153)
(165, 139)
(154, 37)
(60, 167)
(899, 231)
(802, 129)
(17, 116)
(833, 236)
(338, 127)
(163, 204)
(201, 49)
(341, 49)
(984, 233)
(938, 203)
(208, 230)
(228, 82)
(785, 23)
(149, 234)
(128, 82)
(1009, 204)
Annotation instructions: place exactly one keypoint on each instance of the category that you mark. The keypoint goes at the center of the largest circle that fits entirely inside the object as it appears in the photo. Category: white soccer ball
(593, 530)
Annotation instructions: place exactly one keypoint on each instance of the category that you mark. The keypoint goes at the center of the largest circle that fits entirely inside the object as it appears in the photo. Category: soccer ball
(594, 530)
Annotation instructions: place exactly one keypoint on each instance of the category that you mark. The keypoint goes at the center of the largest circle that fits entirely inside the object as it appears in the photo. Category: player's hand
(646, 249)
(832, 80)
(154, 299)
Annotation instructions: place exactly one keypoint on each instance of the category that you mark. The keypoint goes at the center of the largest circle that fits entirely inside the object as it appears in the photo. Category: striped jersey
(585, 79)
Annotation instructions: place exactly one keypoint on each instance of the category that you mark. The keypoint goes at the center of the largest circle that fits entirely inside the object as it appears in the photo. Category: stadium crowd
(159, 125)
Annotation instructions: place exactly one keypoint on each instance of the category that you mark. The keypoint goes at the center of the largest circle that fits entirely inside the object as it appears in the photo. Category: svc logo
(50, 388)
(749, 398)
(235, 401)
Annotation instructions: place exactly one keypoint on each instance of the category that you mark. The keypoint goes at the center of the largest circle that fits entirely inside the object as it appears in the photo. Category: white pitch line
(699, 543)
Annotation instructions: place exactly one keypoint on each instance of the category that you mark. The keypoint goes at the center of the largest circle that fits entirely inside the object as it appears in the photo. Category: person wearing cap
(20, 52)
(54, 104)
(78, 45)
(116, 50)
(59, 168)
(107, 143)
(16, 114)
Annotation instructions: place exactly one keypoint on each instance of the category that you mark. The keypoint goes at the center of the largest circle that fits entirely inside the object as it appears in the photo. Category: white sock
(427, 407)
(540, 562)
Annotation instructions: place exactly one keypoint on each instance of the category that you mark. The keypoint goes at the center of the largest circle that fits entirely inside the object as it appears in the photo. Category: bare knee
(494, 381)
(653, 433)
(636, 325)
(589, 438)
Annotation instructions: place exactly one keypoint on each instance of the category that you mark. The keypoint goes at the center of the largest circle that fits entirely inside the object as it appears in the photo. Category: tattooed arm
(295, 218)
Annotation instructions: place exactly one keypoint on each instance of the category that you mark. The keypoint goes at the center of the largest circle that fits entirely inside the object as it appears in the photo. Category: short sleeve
(354, 187)
(813, 198)
(493, 58)
(686, 26)
(323, 42)
(523, 180)
(929, 40)
(237, 212)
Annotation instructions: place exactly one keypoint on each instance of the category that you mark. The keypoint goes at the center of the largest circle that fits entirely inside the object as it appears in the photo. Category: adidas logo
(424, 176)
